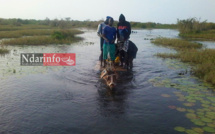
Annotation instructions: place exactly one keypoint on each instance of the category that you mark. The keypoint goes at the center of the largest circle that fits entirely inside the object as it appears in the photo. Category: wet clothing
(123, 28)
(110, 33)
(100, 32)
(125, 46)
(107, 47)
(132, 50)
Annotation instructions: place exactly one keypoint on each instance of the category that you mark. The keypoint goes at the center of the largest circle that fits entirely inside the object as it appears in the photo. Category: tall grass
(3, 51)
(23, 27)
(31, 32)
(176, 43)
(202, 60)
(67, 36)
(20, 33)
(191, 25)
(40, 40)
(193, 28)
(205, 35)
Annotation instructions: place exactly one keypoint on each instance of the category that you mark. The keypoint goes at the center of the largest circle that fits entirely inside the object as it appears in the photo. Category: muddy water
(153, 98)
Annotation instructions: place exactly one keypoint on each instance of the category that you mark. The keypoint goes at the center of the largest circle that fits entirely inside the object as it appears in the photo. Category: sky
(159, 11)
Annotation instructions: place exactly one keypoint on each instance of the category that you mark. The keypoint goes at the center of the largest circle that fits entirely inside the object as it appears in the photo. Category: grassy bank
(176, 43)
(205, 35)
(3, 51)
(202, 60)
(31, 32)
(10, 27)
(20, 33)
(53, 37)
(195, 29)
(40, 40)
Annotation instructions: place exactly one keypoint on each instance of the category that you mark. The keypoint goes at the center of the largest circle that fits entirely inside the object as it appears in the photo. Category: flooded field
(158, 97)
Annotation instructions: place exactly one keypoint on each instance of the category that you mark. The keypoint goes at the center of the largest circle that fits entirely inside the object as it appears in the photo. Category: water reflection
(112, 103)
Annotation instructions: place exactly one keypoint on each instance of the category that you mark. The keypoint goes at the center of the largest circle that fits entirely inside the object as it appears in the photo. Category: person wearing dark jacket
(123, 27)
(123, 34)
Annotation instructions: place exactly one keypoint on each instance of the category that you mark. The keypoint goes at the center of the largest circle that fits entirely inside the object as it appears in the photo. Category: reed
(40, 40)
(23, 27)
(67, 36)
(3, 51)
(32, 32)
(195, 29)
(176, 43)
(206, 35)
(202, 60)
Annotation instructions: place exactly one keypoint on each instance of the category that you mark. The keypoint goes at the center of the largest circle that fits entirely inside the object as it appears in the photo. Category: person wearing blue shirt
(109, 35)
(100, 30)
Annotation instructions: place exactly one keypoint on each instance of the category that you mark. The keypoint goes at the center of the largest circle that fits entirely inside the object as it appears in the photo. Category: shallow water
(74, 100)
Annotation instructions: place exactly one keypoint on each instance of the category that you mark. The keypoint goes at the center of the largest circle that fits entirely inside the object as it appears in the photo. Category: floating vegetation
(207, 120)
(209, 129)
(190, 110)
(189, 104)
(180, 129)
(180, 109)
(165, 95)
(190, 131)
(198, 96)
(199, 123)
(172, 107)
(198, 130)
(191, 116)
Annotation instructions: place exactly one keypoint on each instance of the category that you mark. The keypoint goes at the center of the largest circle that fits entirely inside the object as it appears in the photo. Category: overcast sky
(162, 11)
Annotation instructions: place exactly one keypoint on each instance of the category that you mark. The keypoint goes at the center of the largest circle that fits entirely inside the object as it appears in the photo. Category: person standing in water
(100, 29)
(109, 35)
(123, 29)
(123, 34)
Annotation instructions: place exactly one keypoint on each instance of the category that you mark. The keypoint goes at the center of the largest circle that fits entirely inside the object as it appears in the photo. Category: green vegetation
(23, 24)
(191, 94)
(176, 43)
(204, 35)
(151, 25)
(37, 32)
(20, 33)
(203, 60)
(3, 51)
(41, 32)
(193, 28)
(56, 37)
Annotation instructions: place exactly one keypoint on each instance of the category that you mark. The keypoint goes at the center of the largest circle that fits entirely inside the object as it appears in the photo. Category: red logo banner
(59, 59)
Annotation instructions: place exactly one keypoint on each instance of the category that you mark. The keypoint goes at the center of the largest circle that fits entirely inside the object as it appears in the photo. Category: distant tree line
(68, 22)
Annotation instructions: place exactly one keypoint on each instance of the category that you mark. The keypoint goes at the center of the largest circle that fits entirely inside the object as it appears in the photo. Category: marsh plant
(3, 51)
(194, 28)
(202, 60)
(191, 25)
(55, 37)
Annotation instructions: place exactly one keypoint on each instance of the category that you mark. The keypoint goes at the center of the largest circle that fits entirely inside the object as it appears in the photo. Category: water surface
(74, 100)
